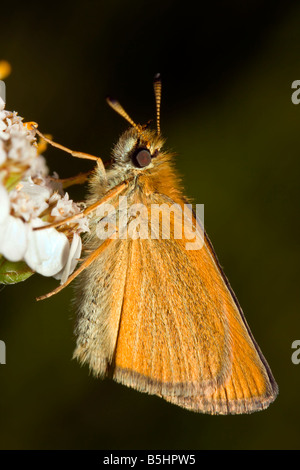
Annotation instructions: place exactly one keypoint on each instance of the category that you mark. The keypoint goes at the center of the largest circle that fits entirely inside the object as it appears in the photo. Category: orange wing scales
(165, 321)
(183, 337)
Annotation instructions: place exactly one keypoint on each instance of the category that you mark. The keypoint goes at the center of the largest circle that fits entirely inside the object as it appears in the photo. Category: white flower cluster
(29, 199)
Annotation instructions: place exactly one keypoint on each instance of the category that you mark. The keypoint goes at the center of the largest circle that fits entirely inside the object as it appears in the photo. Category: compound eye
(142, 158)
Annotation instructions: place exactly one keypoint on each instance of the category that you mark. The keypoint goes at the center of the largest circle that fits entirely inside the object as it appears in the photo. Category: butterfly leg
(83, 155)
(72, 180)
(118, 189)
(83, 266)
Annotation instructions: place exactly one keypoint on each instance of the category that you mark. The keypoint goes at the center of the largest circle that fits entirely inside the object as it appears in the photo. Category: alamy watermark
(2, 91)
(2, 352)
(153, 221)
(296, 94)
(296, 354)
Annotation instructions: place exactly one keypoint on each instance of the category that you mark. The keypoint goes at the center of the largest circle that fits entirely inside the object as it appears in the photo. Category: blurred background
(227, 69)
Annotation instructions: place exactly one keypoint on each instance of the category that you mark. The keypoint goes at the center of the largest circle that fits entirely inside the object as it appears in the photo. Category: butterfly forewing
(187, 340)
(162, 318)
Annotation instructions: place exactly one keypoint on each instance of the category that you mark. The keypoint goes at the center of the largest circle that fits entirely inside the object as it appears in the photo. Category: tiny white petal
(83, 225)
(4, 136)
(76, 251)
(13, 238)
(29, 200)
(64, 208)
(3, 155)
(47, 251)
(74, 255)
(54, 198)
(35, 191)
(4, 204)
(38, 167)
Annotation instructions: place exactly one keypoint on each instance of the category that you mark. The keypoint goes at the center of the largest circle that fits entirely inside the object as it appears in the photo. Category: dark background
(227, 69)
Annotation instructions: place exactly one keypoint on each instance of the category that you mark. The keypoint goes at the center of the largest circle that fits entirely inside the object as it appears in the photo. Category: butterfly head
(139, 146)
(138, 151)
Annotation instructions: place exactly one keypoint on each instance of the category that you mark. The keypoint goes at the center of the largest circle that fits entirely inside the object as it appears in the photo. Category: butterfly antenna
(157, 93)
(115, 105)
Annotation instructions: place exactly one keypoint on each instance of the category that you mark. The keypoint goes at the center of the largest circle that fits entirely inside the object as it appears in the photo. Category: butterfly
(152, 314)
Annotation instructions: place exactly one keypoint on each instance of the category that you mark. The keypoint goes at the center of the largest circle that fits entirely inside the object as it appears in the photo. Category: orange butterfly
(152, 314)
